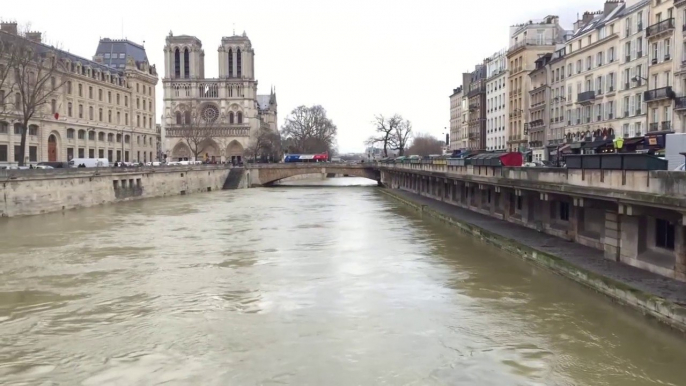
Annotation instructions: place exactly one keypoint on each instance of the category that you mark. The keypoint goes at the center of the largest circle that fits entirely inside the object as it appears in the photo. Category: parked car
(54, 165)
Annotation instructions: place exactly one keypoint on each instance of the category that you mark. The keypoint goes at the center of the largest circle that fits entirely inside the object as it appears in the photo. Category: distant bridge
(267, 174)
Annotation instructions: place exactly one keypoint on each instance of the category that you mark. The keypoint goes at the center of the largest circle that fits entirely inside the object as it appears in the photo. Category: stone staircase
(233, 180)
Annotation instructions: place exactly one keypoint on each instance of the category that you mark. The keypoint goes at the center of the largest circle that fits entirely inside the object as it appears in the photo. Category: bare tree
(401, 136)
(37, 75)
(425, 144)
(195, 132)
(7, 60)
(385, 132)
(265, 144)
(308, 130)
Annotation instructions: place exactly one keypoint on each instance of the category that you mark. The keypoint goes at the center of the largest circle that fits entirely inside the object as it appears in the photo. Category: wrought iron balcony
(680, 103)
(666, 126)
(653, 126)
(586, 97)
(658, 94)
(658, 28)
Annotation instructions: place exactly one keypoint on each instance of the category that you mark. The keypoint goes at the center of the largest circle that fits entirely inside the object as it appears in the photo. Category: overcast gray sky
(355, 58)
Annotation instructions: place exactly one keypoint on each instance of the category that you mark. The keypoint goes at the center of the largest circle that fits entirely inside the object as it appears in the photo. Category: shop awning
(596, 144)
(565, 147)
(633, 141)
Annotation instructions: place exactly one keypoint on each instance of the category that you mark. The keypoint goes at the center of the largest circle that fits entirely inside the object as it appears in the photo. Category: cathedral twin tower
(213, 118)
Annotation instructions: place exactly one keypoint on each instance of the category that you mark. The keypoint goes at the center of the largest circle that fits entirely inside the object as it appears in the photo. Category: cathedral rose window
(210, 113)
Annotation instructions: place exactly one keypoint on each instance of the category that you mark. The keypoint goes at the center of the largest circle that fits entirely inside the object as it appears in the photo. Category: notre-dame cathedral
(227, 108)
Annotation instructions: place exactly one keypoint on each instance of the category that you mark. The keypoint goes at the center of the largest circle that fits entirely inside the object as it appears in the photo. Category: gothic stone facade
(105, 107)
(227, 110)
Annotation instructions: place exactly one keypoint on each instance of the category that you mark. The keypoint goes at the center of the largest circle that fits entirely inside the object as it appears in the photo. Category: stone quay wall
(30, 192)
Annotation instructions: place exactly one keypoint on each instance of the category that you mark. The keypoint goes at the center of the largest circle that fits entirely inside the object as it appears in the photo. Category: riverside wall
(30, 192)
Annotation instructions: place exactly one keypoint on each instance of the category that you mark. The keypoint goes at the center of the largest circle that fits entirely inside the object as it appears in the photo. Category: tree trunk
(22, 146)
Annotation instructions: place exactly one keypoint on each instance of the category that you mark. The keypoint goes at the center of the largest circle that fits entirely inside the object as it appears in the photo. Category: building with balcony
(102, 108)
(477, 108)
(633, 71)
(224, 112)
(455, 118)
(556, 126)
(679, 86)
(591, 84)
(538, 109)
(528, 42)
(659, 94)
(496, 101)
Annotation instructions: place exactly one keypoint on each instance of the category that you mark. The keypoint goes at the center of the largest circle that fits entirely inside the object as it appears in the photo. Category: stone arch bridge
(267, 174)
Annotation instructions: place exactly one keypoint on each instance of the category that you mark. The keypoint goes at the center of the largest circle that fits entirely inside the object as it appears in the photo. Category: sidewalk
(586, 258)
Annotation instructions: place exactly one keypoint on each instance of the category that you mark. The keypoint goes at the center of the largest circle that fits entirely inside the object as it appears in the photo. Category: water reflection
(300, 285)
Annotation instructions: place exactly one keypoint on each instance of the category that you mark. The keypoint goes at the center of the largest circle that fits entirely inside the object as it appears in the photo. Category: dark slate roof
(635, 7)
(600, 20)
(112, 50)
(42, 47)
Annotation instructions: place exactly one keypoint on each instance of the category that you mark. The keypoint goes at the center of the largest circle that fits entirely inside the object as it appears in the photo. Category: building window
(101, 136)
(91, 135)
(3, 153)
(110, 137)
(69, 87)
(33, 130)
(109, 97)
(127, 139)
(118, 117)
(186, 64)
(53, 105)
(126, 101)
(82, 153)
(100, 94)
(117, 99)
(239, 117)
(664, 234)
(238, 62)
(70, 133)
(101, 153)
(82, 134)
(564, 211)
(90, 112)
(17, 153)
(138, 120)
(138, 103)
(126, 118)
(3, 127)
(230, 63)
(90, 92)
(138, 87)
(80, 90)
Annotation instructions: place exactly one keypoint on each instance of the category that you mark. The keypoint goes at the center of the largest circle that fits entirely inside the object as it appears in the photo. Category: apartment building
(539, 98)
(679, 87)
(528, 42)
(104, 108)
(556, 127)
(496, 101)
(658, 97)
(633, 71)
(477, 108)
(591, 83)
(455, 118)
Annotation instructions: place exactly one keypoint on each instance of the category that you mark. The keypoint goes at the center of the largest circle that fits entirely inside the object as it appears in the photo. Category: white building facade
(496, 101)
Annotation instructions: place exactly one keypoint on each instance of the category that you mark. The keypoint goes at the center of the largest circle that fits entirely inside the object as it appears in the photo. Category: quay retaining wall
(29, 192)
(666, 311)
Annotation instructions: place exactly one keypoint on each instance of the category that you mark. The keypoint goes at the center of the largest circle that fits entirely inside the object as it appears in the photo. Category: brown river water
(300, 286)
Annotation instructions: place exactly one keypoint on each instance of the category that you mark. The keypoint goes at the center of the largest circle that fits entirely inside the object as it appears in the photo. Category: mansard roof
(115, 48)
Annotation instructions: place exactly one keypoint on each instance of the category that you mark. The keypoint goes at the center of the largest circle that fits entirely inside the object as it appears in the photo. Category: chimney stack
(10, 27)
(34, 36)
(610, 5)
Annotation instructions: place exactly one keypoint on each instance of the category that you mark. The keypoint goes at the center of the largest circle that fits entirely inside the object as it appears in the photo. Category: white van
(89, 162)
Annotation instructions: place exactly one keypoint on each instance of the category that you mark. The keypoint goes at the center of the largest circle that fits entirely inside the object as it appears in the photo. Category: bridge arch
(269, 174)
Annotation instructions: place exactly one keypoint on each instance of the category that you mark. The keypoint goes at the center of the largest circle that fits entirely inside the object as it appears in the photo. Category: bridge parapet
(266, 174)
(655, 188)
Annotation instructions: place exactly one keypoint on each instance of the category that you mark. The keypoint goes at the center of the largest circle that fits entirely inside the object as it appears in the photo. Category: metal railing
(585, 97)
(664, 25)
(658, 93)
